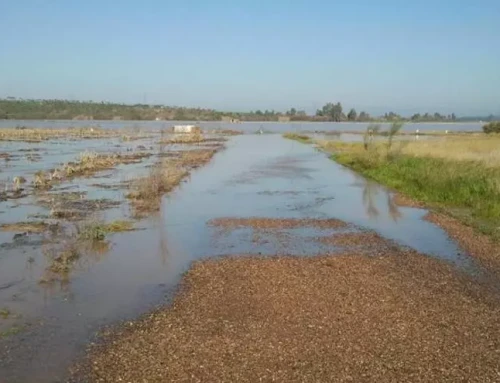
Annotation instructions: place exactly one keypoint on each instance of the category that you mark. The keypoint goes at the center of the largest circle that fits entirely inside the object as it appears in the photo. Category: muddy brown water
(255, 176)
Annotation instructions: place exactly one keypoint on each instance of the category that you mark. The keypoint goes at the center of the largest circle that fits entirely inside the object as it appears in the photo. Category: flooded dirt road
(267, 176)
(255, 176)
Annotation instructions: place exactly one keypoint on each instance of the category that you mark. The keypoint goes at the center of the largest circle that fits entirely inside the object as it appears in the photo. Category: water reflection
(374, 201)
(369, 194)
(394, 211)
(64, 256)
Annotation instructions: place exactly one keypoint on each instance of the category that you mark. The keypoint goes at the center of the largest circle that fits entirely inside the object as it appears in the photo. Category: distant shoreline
(252, 122)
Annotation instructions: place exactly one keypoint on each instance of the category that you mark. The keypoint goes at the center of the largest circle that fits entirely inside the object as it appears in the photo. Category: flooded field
(68, 207)
(123, 233)
(247, 127)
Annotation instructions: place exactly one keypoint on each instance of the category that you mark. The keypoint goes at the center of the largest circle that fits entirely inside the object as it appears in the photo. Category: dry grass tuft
(194, 138)
(87, 165)
(42, 134)
(146, 192)
(29, 227)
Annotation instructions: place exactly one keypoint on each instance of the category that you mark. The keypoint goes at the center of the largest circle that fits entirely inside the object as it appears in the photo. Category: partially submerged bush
(64, 261)
(146, 192)
(492, 127)
(371, 131)
(97, 231)
(79, 243)
(92, 232)
(88, 163)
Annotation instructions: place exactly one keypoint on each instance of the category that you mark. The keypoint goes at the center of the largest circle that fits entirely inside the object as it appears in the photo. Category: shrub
(492, 127)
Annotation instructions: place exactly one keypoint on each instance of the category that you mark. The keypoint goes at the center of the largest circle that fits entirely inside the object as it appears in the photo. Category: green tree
(337, 114)
(327, 110)
(391, 116)
(492, 127)
(363, 116)
(352, 115)
(332, 111)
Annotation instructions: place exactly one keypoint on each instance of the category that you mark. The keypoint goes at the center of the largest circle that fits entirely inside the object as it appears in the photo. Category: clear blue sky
(408, 56)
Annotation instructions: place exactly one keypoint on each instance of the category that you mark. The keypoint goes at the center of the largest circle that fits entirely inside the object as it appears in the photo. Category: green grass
(97, 231)
(298, 137)
(467, 190)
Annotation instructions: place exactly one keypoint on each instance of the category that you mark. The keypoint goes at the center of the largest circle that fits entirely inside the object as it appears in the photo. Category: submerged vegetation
(298, 137)
(73, 206)
(146, 192)
(41, 134)
(97, 231)
(87, 164)
(65, 250)
(461, 176)
(30, 227)
(194, 138)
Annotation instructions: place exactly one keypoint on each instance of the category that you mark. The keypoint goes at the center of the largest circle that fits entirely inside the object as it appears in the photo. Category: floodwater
(246, 127)
(255, 176)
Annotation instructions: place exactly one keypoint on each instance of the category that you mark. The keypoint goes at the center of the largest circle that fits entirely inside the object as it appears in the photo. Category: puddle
(267, 176)
(255, 176)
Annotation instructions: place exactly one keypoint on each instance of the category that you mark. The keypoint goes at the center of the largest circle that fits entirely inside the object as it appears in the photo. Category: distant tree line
(335, 112)
(88, 110)
(20, 109)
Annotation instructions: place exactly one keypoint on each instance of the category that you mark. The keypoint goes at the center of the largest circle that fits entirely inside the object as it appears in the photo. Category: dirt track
(399, 317)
